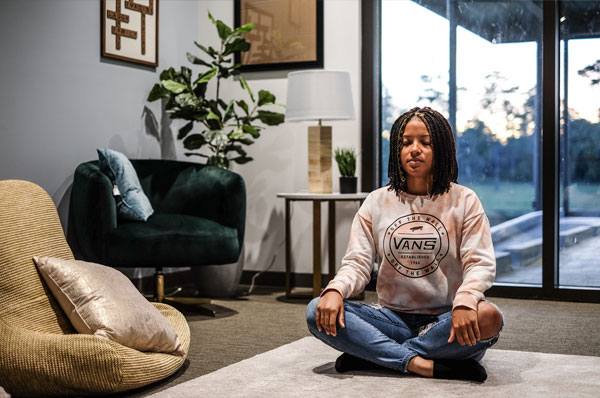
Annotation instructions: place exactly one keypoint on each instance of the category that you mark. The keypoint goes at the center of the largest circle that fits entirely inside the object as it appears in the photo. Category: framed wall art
(287, 34)
(130, 30)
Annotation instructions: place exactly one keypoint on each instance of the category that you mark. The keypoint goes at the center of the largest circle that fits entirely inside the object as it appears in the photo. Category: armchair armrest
(235, 205)
(92, 212)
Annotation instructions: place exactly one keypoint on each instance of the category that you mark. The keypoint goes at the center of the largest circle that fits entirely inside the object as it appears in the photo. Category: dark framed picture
(287, 34)
(130, 30)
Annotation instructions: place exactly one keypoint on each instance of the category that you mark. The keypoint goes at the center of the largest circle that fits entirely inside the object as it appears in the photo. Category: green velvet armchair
(198, 221)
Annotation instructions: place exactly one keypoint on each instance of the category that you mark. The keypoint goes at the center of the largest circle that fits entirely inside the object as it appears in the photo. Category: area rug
(304, 368)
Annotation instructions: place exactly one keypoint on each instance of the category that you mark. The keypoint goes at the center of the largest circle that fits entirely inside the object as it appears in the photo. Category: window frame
(371, 147)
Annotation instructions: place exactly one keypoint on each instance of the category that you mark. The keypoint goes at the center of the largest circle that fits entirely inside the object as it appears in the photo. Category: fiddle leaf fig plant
(224, 127)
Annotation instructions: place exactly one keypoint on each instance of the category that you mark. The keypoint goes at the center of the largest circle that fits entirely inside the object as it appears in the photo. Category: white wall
(280, 155)
(61, 100)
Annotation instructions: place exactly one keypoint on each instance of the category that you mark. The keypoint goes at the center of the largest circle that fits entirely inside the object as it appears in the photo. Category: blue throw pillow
(132, 203)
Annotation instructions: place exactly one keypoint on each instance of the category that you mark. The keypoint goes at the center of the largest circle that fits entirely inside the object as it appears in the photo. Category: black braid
(445, 168)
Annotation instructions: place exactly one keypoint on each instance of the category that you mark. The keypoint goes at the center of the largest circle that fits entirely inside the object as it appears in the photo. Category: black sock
(467, 369)
(347, 362)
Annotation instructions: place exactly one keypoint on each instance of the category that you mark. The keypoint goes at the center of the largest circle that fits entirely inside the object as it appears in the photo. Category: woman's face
(417, 153)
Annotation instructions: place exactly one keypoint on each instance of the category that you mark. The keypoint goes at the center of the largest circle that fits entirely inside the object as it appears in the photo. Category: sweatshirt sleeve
(477, 258)
(355, 271)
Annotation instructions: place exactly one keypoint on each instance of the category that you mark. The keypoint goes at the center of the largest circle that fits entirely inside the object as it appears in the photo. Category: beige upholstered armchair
(40, 352)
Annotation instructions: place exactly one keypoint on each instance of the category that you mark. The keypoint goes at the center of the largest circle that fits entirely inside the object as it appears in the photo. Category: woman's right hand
(329, 310)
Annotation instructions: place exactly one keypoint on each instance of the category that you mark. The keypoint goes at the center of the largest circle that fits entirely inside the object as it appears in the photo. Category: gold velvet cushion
(100, 300)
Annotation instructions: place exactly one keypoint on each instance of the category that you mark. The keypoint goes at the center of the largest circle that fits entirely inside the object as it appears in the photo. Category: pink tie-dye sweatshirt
(434, 253)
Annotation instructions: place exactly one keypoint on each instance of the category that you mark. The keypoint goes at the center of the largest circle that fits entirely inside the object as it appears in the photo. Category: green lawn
(584, 196)
(515, 196)
(507, 200)
(519, 195)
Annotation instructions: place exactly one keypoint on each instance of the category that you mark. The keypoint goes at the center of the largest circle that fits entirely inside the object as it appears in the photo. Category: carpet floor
(305, 368)
(266, 320)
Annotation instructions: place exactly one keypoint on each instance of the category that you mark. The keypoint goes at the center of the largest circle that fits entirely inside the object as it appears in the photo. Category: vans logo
(416, 244)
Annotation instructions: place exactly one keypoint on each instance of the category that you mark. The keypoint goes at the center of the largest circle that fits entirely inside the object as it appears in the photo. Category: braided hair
(445, 169)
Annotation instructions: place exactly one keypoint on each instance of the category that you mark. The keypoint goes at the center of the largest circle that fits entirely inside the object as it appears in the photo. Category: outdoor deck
(518, 247)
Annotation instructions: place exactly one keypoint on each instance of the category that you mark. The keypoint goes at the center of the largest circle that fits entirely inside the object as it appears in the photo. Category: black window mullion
(371, 95)
(550, 146)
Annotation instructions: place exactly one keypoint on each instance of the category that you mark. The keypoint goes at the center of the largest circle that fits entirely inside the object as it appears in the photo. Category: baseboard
(277, 279)
(184, 279)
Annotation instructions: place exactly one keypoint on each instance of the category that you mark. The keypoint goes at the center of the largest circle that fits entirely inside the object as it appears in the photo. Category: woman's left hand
(465, 327)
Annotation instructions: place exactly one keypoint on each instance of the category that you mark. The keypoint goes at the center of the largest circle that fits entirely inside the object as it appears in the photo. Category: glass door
(579, 222)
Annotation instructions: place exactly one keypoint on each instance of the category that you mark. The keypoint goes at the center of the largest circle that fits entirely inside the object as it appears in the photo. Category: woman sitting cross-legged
(436, 259)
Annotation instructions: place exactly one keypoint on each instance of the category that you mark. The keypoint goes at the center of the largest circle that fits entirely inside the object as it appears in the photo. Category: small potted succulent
(346, 161)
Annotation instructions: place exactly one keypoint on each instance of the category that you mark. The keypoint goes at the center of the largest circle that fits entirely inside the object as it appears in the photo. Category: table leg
(288, 256)
(331, 228)
(316, 248)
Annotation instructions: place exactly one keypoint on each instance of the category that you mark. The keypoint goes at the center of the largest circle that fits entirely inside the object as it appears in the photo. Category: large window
(480, 63)
(579, 239)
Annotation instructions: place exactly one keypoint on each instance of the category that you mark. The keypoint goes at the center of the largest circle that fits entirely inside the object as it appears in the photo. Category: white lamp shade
(319, 95)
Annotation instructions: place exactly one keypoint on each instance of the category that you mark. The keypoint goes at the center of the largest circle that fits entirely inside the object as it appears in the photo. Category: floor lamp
(316, 96)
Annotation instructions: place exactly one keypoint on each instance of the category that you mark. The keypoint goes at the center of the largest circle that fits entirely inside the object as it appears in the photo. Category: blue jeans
(391, 339)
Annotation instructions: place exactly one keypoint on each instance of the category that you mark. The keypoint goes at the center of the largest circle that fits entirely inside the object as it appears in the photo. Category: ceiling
(519, 21)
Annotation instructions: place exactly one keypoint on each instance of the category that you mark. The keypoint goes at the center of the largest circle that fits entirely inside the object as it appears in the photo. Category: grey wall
(60, 100)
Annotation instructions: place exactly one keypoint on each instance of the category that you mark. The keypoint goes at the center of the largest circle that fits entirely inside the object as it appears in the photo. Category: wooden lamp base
(319, 159)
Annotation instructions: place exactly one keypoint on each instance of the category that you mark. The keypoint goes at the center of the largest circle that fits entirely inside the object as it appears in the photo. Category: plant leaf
(224, 30)
(185, 130)
(265, 98)
(346, 160)
(242, 159)
(246, 141)
(214, 106)
(212, 116)
(212, 19)
(216, 137)
(157, 92)
(223, 72)
(244, 28)
(223, 104)
(206, 76)
(185, 99)
(200, 89)
(196, 154)
(167, 74)
(251, 130)
(236, 134)
(174, 87)
(229, 111)
(197, 61)
(194, 141)
(242, 104)
(200, 114)
(186, 74)
(246, 87)
(238, 45)
(210, 51)
(271, 118)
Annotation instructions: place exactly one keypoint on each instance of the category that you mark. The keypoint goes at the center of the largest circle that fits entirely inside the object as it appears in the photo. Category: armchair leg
(201, 305)
(159, 296)
(159, 285)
